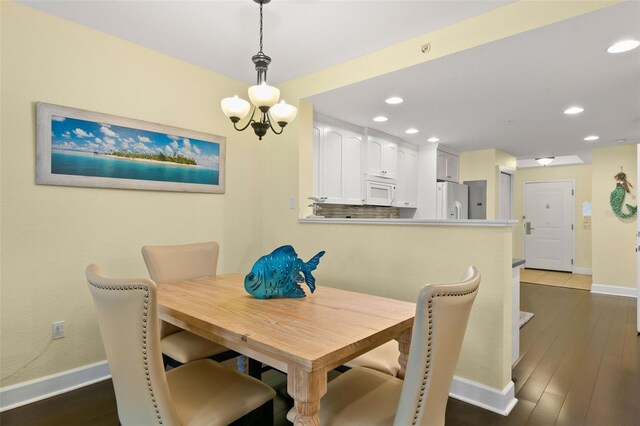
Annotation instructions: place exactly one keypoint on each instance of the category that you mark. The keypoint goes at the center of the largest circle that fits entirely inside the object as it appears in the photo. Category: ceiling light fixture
(623, 46)
(411, 131)
(380, 118)
(545, 161)
(592, 138)
(433, 139)
(394, 100)
(262, 96)
(573, 110)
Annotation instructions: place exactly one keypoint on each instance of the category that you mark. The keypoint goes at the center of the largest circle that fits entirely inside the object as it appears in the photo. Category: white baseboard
(492, 399)
(613, 290)
(496, 400)
(582, 271)
(45, 387)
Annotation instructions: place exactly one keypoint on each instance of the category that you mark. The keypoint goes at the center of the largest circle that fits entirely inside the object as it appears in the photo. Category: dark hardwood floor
(579, 365)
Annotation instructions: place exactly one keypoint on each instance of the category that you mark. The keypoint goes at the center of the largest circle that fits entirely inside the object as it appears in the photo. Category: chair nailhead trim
(145, 313)
(427, 370)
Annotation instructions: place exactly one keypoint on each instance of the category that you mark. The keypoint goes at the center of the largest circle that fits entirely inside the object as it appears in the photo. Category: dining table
(302, 337)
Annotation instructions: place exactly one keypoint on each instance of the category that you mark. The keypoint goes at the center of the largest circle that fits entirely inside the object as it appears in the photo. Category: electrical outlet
(57, 330)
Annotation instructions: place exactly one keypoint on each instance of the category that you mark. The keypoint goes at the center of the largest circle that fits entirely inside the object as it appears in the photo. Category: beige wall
(614, 257)
(49, 234)
(581, 175)
(485, 165)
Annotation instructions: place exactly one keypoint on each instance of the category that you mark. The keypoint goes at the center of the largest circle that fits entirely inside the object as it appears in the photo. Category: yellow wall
(481, 165)
(582, 176)
(614, 241)
(484, 165)
(49, 233)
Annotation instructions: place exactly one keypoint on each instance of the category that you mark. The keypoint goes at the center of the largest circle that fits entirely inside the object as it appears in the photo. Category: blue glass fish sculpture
(280, 273)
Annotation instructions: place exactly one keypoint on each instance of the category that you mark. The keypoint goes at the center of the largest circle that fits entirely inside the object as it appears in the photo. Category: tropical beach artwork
(146, 156)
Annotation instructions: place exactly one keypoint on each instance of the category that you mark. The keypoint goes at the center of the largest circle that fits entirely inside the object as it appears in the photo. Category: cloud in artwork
(82, 134)
(66, 135)
(173, 138)
(144, 139)
(107, 131)
(174, 145)
(168, 150)
(57, 118)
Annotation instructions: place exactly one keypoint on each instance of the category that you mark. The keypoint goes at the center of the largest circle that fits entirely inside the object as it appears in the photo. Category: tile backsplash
(361, 212)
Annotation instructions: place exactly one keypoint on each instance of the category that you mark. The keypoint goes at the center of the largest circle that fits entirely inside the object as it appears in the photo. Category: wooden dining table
(304, 338)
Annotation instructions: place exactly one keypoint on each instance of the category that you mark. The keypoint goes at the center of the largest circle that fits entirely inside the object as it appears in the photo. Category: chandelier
(263, 97)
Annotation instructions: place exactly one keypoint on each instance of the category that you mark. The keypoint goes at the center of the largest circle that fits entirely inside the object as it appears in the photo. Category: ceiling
(301, 36)
(508, 94)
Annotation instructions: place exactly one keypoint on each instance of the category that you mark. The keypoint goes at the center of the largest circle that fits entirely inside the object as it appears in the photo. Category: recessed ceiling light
(623, 46)
(411, 131)
(592, 138)
(433, 139)
(380, 118)
(573, 110)
(394, 100)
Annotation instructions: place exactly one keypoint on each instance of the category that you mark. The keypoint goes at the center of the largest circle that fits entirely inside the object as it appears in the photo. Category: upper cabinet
(407, 172)
(382, 157)
(337, 164)
(447, 166)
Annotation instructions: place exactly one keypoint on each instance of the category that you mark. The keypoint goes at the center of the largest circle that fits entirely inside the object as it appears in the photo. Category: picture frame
(75, 147)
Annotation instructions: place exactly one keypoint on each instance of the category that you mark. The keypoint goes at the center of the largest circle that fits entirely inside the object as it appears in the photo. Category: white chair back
(181, 262)
(442, 314)
(128, 317)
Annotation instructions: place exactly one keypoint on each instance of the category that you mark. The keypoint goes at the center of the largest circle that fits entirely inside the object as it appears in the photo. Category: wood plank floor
(579, 365)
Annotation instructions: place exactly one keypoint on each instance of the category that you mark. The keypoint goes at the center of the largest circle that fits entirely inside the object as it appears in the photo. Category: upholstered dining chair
(202, 392)
(183, 262)
(363, 396)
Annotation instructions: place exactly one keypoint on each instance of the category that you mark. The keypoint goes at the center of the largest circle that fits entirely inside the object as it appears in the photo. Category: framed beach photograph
(84, 148)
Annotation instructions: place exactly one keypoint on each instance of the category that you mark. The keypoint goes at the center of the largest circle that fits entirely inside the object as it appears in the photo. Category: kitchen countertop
(438, 222)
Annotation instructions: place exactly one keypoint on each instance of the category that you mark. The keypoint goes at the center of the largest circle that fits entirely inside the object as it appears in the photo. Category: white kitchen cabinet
(447, 166)
(337, 164)
(407, 175)
(382, 157)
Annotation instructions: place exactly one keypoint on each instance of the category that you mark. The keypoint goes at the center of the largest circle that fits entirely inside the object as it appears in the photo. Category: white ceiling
(511, 93)
(508, 94)
(301, 36)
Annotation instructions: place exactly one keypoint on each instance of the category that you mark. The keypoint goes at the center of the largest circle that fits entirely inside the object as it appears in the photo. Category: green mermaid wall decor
(617, 197)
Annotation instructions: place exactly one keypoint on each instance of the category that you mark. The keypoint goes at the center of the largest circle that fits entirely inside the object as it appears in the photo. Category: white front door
(548, 225)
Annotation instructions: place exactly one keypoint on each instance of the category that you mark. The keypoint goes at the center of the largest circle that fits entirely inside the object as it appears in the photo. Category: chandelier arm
(251, 120)
(269, 120)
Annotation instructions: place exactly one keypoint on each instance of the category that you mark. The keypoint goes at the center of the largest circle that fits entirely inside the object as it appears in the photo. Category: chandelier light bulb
(235, 108)
(283, 113)
(263, 95)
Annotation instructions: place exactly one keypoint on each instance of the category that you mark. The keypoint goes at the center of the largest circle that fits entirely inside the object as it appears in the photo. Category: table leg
(306, 389)
(404, 342)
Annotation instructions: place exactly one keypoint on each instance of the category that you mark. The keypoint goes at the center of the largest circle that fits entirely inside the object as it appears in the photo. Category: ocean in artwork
(89, 164)
(88, 148)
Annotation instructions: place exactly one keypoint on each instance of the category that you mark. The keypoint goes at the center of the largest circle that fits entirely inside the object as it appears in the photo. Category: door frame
(512, 173)
(573, 217)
